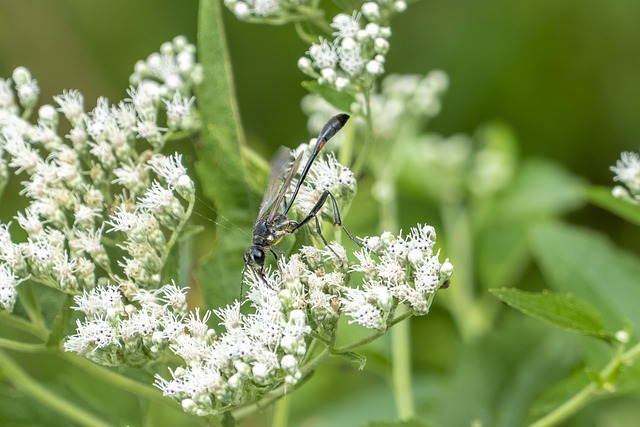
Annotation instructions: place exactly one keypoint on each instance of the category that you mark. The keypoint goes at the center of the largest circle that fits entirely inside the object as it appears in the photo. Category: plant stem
(372, 337)
(25, 326)
(282, 412)
(22, 346)
(470, 320)
(22, 381)
(401, 368)
(607, 376)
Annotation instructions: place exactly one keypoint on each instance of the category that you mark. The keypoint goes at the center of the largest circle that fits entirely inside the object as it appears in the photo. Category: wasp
(273, 221)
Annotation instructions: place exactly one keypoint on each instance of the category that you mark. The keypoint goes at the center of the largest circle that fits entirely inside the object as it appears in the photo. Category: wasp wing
(279, 182)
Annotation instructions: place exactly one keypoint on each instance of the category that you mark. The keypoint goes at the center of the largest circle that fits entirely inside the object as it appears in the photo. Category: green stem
(30, 303)
(607, 376)
(372, 337)
(282, 411)
(22, 346)
(32, 388)
(470, 320)
(401, 368)
(176, 232)
(25, 326)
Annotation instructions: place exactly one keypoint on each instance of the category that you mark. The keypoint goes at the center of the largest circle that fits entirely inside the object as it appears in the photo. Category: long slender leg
(337, 220)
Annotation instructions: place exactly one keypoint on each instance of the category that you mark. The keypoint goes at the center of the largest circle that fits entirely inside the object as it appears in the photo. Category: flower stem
(282, 411)
(471, 321)
(607, 377)
(401, 368)
(32, 388)
(372, 337)
(22, 346)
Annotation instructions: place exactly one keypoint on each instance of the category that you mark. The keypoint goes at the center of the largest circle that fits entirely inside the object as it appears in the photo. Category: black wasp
(273, 221)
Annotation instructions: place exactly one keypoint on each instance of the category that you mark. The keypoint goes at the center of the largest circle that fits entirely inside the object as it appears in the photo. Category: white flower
(266, 7)
(346, 25)
(351, 60)
(144, 97)
(323, 55)
(100, 302)
(65, 270)
(86, 216)
(157, 198)
(30, 222)
(8, 283)
(357, 306)
(169, 168)
(92, 335)
(375, 67)
(627, 171)
(371, 11)
(131, 176)
(178, 108)
(71, 104)
(147, 128)
(123, 220)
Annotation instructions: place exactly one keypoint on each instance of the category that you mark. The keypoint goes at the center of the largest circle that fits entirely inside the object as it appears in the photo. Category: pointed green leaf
(560, 310)
(601, 196)
(341, 100)
(588, 265)
(219, 164)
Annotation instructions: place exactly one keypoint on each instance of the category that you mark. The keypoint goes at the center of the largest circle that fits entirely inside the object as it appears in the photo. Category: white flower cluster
(396, 270)
(117, 331)
(257, 352)
(403, 100)
(105, 171)
(355, 57)
(627, 171)
(327, 174)
(266, 349)
(268, 10)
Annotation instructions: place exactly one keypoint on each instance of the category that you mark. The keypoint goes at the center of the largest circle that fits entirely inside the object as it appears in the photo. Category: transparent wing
(279, 182)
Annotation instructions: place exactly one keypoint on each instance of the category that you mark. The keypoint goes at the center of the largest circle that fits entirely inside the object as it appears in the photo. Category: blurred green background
(564, 75)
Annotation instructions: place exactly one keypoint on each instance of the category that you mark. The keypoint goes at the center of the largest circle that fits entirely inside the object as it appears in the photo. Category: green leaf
(562, 311)
(341, 100)
(539, 191)
(588, 265)
(219, 164)
(601, 196)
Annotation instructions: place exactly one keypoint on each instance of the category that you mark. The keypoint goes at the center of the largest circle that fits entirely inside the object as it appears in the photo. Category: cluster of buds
(267, 348)
(355, 57)
(107, 170)
(627, 172)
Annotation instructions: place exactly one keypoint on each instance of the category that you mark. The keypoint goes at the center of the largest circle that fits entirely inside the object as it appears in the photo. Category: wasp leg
(337, 220)
(277, 254)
